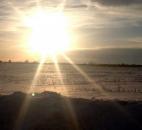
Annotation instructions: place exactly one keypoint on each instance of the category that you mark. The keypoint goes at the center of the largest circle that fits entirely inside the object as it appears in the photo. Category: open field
(107, 82)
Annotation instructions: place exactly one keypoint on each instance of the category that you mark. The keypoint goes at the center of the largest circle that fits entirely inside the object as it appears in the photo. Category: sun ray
(99, 88)
(26, 102)
(42, 25)
(60, 75)
(66, 101)
(37, 74)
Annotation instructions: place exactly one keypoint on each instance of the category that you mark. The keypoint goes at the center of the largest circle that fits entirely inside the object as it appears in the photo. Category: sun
(49, 33)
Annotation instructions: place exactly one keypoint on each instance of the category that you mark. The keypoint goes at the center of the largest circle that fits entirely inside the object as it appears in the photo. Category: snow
(108, 81)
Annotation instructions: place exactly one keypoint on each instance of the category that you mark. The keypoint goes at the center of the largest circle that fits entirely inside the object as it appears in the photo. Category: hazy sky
(94, 24)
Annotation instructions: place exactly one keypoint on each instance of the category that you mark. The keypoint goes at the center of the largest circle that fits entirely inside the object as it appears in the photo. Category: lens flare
(49, 32)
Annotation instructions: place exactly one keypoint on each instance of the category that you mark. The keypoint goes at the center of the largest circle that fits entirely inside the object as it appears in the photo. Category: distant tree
(35, 62)
(26, 61)
(9, 61)
(1, 61)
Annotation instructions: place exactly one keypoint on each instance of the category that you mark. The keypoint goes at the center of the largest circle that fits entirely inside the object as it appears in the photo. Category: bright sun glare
(49, 32)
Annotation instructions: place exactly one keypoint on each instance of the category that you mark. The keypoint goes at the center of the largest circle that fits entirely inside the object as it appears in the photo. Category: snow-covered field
(93, 82)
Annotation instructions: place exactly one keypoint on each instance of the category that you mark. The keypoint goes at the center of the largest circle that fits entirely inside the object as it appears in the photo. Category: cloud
(76, 6)
(49, 3)
(117, 2)
(98, 23)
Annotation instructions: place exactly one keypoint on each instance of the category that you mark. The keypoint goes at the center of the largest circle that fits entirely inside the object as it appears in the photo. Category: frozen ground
(124, 83)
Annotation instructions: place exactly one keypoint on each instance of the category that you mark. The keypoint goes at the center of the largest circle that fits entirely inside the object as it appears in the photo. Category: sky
(94, 24)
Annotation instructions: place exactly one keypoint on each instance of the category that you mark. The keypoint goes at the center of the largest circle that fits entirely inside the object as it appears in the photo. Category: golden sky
(30, 27)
